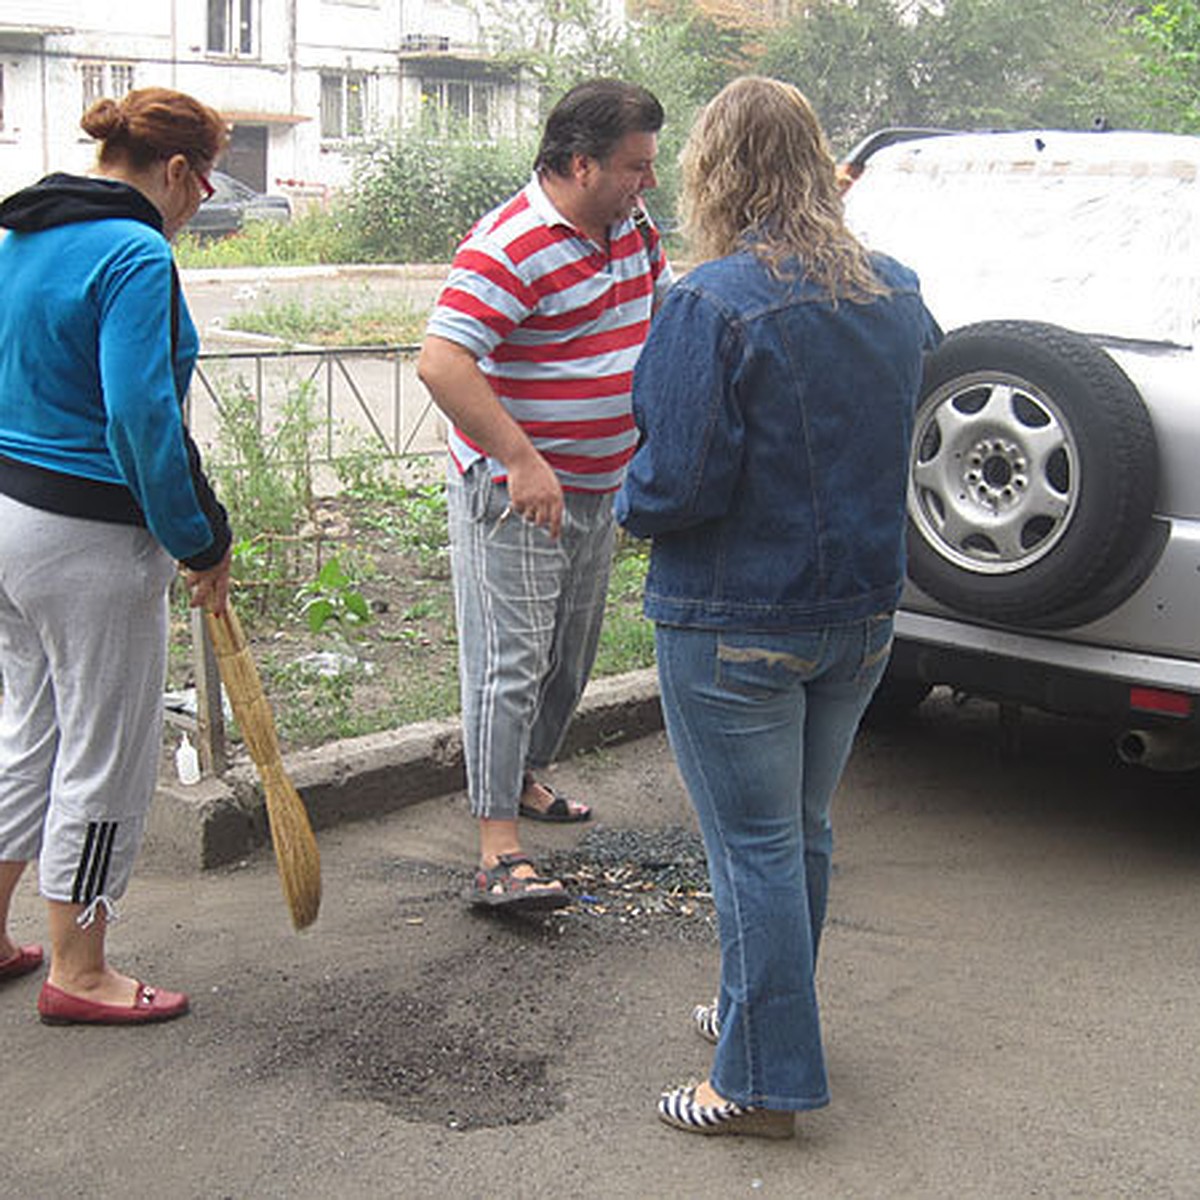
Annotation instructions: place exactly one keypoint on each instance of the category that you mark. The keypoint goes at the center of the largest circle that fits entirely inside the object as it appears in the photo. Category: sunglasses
(205, 187)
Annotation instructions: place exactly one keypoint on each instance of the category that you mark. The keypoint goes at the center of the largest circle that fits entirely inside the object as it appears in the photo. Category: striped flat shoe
(680, 1108)
(707, 1021)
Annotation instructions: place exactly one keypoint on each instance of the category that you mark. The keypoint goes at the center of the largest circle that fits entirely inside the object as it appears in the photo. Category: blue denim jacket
(775, 438)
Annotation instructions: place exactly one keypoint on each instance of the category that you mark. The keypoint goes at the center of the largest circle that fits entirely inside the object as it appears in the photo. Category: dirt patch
(460, 1045)
(400, 666)
(345, 678)
(361, 1039)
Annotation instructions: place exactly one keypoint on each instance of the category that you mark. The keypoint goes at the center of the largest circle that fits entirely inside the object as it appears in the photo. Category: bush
(414, 198)
(310, 239)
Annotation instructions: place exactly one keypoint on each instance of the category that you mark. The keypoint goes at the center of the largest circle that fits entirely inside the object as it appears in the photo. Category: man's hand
(462, 392)
(535, 494)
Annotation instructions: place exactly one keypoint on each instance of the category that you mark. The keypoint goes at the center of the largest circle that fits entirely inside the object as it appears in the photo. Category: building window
(343, 104)
(92, 75)
(455, 106)
(119, 77)
(231, 26)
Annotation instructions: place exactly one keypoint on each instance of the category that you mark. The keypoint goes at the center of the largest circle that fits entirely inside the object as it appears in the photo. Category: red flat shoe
(150, 1004)
(26, 959)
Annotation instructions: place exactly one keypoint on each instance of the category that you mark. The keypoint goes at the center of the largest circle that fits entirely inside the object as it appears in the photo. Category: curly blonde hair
(758, 174)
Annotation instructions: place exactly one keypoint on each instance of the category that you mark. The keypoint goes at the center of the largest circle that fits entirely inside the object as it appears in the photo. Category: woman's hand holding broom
(210, 589)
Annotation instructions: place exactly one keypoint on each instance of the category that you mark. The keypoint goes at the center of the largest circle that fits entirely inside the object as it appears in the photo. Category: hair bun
(103, 119)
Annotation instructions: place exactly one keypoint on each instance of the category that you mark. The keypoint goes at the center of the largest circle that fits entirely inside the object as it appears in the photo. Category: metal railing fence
(364, 391)
(369, 389)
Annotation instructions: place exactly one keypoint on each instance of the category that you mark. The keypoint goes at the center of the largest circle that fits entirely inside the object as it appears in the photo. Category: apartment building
(303, 83)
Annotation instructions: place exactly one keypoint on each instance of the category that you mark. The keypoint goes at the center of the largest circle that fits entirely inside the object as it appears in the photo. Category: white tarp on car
(1044, 230)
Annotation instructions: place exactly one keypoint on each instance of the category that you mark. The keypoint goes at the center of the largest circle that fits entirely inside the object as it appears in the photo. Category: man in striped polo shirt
(530, 353)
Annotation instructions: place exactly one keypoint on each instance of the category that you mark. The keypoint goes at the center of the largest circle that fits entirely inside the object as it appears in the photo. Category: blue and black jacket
(96, 352)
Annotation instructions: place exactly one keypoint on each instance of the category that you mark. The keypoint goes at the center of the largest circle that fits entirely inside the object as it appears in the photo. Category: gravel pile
(635, 874)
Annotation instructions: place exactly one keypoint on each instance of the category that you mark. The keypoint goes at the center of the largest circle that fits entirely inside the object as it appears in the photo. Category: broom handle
(243, 686)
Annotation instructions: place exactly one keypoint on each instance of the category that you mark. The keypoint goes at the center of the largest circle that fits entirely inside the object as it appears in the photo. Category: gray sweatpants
(529, 612)
(83, 647)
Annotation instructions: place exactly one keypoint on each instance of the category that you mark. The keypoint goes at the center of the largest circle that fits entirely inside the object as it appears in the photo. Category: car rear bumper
(1122, 687)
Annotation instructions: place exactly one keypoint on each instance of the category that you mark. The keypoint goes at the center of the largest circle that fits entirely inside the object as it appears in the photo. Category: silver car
(1054, 489)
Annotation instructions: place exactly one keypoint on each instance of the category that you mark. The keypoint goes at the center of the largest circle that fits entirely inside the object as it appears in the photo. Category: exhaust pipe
(1159, 749)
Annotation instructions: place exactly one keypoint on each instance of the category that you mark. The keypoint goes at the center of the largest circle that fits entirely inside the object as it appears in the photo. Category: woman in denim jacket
(775, 399)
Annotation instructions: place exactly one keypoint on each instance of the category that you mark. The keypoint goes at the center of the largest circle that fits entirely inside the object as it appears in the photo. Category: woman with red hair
(101, 496)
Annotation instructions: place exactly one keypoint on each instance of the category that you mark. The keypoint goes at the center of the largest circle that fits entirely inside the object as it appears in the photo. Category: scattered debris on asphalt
(634, 874)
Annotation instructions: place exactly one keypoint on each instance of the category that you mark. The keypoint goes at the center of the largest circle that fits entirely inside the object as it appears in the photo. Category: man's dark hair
(592, 118)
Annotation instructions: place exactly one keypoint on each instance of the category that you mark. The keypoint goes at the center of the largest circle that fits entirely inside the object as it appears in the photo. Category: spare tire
(1032, 476)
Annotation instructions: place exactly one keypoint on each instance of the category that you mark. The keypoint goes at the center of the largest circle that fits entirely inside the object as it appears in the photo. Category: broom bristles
(296, 853)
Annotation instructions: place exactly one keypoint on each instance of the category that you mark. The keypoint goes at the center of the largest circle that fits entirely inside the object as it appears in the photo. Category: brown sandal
(560, 810)
(498, 887)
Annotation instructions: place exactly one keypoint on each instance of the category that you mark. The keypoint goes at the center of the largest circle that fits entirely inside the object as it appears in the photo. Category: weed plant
(416, 519)
(264, 477)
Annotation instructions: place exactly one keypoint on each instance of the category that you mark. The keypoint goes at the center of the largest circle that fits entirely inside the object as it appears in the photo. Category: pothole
(366, 1042)
(461, 1044)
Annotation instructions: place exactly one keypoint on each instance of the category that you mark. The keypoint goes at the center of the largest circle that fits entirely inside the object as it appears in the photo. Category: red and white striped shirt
(557, 324)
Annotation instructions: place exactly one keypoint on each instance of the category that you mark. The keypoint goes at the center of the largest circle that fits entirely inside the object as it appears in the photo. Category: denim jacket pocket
(763, 664)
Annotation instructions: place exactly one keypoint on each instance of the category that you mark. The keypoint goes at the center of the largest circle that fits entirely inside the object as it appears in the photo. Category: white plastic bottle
(187, 762)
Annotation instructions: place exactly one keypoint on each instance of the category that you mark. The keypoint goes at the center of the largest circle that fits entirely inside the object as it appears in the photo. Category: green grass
(311, 709)
(627, 639)
(308, 240)
(335, 321)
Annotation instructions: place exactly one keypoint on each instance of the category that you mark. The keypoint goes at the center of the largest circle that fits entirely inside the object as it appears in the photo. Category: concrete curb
(219, 821)
(201, 275)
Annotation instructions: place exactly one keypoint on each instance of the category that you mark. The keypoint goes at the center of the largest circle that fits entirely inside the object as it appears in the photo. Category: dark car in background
(232, 206)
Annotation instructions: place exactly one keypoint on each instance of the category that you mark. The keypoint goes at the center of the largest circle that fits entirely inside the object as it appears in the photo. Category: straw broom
(296, 851)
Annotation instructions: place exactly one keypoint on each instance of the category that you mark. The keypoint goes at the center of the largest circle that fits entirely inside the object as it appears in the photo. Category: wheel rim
(993, 478)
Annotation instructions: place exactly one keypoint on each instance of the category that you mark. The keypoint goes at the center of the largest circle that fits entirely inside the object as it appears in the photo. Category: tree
(858, 64)
(1000, 63)
(1172, 32)
(966, 64)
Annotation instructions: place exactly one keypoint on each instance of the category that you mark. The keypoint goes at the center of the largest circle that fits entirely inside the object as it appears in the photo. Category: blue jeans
(529, 612)
(761, 726)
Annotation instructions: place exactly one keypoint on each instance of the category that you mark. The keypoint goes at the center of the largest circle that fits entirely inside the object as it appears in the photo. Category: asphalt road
(1008, 981)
